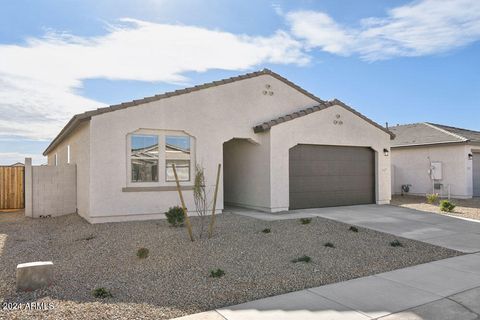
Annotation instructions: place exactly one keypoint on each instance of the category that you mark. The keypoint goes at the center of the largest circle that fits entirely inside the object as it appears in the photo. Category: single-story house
(17, 164)
(280, 148)
(432, 158)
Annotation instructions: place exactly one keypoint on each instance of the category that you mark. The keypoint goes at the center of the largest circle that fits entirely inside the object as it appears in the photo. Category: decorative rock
(34, 275)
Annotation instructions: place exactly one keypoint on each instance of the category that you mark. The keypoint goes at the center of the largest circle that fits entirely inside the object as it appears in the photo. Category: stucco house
(433, 158)
(280, 146)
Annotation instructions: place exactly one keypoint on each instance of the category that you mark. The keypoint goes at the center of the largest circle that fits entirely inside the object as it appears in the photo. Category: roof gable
(321, 106)
(470, 135)
(79, 118)
(428, 133)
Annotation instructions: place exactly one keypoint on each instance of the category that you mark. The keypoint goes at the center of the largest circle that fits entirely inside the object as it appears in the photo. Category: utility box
(436, 171)
(34, 275)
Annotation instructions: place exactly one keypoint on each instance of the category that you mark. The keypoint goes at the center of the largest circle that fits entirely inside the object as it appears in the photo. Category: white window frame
(145, 158)
(68, 154)
(161, 133)
(189, 160)
(55, 159)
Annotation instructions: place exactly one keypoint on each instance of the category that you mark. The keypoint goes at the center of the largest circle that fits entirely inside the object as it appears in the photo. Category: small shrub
(396, 243)
(432, 198)
(447, 206)
(353, 229)
(87, 238)
(142, 253)
(102, 293)
(175, 216)
(305, 220)
(266, 230)
(217, 273)
(329, 245)
(304, 258)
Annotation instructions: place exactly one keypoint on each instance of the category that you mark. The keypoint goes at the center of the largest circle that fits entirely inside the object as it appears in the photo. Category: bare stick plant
(200, 196)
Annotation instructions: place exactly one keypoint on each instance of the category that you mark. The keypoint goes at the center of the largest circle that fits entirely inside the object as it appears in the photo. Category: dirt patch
(175, 278)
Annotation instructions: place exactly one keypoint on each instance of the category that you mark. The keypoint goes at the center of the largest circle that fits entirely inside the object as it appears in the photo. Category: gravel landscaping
(174, 280)
(465, 208)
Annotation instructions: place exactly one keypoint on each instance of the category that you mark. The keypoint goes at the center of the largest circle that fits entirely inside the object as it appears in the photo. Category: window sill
(150, 189)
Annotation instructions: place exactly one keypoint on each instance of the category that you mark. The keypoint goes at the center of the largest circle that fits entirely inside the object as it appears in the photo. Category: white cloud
(319, 30)
(39, 81)
(417, 29)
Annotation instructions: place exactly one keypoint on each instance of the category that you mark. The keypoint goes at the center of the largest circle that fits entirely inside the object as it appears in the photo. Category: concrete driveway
(445, 231)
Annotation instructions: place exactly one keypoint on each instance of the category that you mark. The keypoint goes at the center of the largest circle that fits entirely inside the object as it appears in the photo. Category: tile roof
(78, 118)
(429, 133)
(321, 106)
(470, 135)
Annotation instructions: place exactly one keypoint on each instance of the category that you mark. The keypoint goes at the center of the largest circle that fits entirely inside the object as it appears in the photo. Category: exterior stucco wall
(247, 173)
(411, 166)
(212, 116)
(319, 128)
(79, 142)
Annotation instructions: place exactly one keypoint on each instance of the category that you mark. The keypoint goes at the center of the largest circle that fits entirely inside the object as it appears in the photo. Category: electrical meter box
(437, 171)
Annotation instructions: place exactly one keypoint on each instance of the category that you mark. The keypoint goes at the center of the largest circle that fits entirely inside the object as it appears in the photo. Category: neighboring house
(433, 158)
(17, 164)
(281, 148)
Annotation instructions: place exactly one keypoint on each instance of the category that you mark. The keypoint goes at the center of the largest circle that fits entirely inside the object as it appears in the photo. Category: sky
(394, 61)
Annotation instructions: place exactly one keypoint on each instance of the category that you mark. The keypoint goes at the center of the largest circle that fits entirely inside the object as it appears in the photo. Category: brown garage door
(327, 176)
(476, 174)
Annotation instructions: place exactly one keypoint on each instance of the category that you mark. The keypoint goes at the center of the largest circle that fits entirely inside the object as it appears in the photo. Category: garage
(328, 176)
(476, 174)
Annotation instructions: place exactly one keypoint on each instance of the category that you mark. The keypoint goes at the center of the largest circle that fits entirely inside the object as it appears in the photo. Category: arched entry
(246, 174)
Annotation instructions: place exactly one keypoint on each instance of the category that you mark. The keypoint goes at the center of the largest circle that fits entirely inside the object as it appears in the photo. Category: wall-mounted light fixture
(386, 152)
(470, 156)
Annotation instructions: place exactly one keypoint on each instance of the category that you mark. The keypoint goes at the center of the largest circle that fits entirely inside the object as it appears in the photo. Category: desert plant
(396, 243)
(200, 196)
(175, 216)
(102, 293)
(447, 206)
(353, 229)
(266, 230)
(305, 220)
(303, 258)
(329, 245)
(217, 273)
(142, 253)
(432, 198)
(87, 238)
(215, 193)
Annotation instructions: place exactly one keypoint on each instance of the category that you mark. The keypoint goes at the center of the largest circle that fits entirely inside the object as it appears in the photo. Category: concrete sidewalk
(441, 230)
(445, 289)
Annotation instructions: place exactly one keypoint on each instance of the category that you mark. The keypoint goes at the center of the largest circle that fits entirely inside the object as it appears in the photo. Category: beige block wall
(319, 128)
(53, 190)
(79, 142)
(411, 165)
(212, 116)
